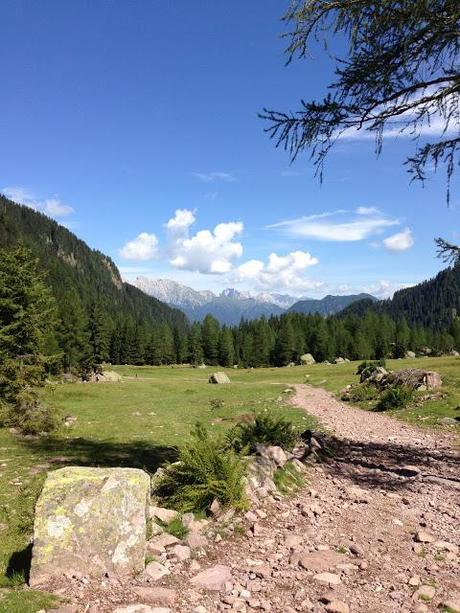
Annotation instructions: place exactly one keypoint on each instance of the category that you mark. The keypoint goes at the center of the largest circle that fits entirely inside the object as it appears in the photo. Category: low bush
(205, 470)
(262, 429)
(371, 365)
(29, 414)
(176, 528)
(395, 397)
(288, 479)
(362, 393)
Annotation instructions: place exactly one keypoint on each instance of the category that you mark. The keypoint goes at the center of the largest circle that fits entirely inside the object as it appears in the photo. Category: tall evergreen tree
(210, 331)
(226, 348)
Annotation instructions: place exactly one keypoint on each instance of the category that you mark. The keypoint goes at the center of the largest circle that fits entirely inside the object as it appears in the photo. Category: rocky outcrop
(90, 521)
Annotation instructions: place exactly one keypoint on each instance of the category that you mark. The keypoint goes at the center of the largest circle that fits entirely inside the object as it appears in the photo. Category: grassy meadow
(141, 421)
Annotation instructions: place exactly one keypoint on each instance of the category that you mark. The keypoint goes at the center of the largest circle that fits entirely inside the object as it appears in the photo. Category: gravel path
(375, 530)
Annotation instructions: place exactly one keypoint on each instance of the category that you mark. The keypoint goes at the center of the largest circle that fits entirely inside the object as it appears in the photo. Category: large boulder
(307, 359)
(410, 355)
(219, 378)
(90, 521)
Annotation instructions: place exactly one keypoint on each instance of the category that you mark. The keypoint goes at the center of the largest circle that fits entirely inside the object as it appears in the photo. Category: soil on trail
(375, 530)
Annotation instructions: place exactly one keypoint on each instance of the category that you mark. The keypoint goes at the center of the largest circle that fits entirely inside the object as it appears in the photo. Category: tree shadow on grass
(391, 466)
(100, 453)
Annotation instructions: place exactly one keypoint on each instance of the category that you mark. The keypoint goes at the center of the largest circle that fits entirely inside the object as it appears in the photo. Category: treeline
(280, 340)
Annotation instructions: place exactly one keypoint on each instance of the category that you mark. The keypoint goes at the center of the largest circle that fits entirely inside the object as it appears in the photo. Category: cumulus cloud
(208, 177)
(400, 241)
(143, 247)
(280, 272)
(332, 226)
(208, 251)
(181, 222)
(50, 206)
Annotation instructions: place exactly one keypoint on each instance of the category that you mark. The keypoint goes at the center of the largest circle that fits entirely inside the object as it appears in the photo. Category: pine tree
(285, 344)
(226, 348)
(27, 308)
(210, 331)
(98, 338)
(72, 332)
(27, 321)
(195, 348)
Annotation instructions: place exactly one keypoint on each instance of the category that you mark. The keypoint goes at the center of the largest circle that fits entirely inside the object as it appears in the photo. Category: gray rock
(155, 570)
(164, 515)
(448, 421)
(219, 378)
(90, 520)
(213, 578)
(307, 359)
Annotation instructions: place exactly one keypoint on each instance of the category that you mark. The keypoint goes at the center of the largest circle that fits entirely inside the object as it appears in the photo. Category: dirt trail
(376, 530)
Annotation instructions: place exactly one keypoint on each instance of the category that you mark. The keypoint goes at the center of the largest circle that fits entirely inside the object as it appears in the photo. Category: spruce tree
(226, 348)
(27, 319)
(195, 347)
(210, 332)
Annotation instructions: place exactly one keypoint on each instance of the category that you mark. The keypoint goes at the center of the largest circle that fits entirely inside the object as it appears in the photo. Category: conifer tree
(226, 348)
(72, 332)
(98, 338)
(195, 348)
(210, 332)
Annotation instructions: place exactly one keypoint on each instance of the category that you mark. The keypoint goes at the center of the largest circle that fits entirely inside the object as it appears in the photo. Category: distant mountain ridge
(231, 304)
(329, 305)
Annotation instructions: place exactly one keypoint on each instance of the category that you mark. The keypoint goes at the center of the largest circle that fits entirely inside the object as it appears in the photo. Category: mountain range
(231, 305)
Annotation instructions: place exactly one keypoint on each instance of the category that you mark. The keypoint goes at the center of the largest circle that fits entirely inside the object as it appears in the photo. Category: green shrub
(262, 429)
(362, 393)
(205, 470)
(395, 397)
(288, 479)
(29, 414)
(371, 365)
(176, 528)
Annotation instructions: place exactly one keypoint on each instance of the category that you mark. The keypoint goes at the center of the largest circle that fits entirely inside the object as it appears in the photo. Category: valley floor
(376, 529)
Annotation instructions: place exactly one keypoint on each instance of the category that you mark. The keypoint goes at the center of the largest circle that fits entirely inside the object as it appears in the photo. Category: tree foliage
(400, 74)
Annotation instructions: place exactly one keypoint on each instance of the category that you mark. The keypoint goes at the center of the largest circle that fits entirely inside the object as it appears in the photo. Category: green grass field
(141, 421)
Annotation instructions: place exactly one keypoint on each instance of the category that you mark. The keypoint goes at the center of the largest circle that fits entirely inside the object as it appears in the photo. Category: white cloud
(400, 241)
(384, 289)
(280, 272)
(50, 206)
(328, 226)
(143, 247)
(367, 210)
(182, 220)
(208, 177)
(208, 251)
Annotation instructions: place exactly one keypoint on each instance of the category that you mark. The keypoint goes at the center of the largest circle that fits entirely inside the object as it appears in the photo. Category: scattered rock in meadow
(219, 378)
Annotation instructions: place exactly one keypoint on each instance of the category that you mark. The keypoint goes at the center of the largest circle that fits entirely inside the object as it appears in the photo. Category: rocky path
(376, 530)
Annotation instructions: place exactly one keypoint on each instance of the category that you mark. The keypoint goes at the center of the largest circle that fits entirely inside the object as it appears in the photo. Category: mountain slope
(329, 305)
(432, 304)
(71, 266)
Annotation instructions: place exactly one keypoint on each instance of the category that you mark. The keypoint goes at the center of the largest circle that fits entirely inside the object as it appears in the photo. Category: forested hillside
(434, 304)
(86, 284)
(329, 305)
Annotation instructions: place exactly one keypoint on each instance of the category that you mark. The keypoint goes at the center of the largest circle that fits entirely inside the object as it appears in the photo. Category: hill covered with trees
(433, 304)
(94, 305)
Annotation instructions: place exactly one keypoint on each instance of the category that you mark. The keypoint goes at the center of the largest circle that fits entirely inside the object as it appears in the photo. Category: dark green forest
(433, 304)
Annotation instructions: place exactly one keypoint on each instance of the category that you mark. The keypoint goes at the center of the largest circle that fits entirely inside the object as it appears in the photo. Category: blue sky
(135, 124)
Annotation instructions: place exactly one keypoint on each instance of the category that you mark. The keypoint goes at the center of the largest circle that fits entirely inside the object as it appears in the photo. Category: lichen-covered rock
(92, 521)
